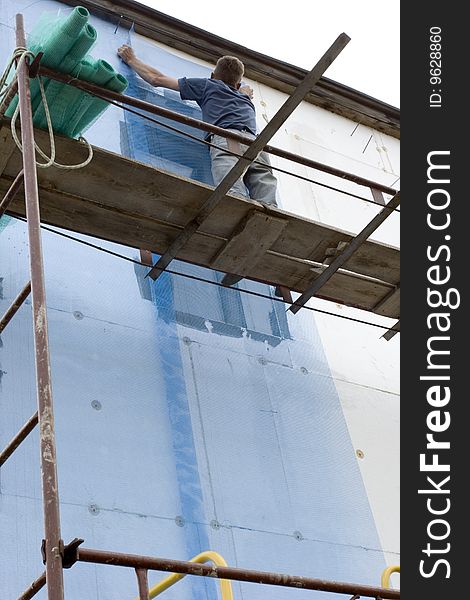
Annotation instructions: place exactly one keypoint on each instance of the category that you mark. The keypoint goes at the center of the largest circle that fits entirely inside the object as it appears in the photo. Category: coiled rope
(18, 57)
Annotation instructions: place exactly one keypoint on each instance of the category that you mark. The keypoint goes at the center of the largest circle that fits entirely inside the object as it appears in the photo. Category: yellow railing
(204, 557)
(385, 580)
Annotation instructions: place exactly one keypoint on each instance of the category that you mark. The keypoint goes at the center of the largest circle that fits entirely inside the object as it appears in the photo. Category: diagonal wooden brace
(251, 153)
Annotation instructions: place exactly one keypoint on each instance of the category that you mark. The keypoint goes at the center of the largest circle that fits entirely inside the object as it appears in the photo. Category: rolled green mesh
(82, 45)
(116, 83)
(59, 37)
(63, 37)
(65, 42)
(80, 116)
(57, 93)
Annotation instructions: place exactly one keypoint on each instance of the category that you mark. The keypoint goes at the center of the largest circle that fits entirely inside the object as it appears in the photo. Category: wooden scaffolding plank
(7, 147)
(254, 235)
(390, 304)
(127, 202)
(116, 183)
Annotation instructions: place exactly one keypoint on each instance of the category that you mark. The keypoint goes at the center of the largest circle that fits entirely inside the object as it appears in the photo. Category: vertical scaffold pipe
(54, 544)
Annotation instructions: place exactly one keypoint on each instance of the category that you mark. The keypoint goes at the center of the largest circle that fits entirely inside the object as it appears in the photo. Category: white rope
(21, 54)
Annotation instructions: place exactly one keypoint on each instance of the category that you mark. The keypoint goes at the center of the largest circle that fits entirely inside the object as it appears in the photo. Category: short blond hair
(229, 69)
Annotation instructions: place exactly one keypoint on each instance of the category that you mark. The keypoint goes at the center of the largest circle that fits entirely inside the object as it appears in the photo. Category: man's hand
(247, 90)
(126, 53)
(148, 73)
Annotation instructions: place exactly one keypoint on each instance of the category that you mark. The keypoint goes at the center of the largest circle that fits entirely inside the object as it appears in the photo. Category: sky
(300, 31)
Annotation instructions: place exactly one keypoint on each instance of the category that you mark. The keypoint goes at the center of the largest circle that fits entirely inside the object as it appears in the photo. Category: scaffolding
(56, 555)
(181, 218)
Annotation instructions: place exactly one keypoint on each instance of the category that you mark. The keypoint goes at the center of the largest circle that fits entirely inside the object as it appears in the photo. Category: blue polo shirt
(221, 104)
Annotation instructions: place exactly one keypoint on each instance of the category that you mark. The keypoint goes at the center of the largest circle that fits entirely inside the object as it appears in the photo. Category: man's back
(221, 104)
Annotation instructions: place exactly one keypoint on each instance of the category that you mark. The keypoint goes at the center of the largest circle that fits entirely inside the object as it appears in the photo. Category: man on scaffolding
(226, 103)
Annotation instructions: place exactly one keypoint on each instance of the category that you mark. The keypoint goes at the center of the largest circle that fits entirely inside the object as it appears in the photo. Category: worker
(226, 103)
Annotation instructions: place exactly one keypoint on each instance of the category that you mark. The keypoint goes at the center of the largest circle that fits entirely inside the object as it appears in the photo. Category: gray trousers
(258, 179)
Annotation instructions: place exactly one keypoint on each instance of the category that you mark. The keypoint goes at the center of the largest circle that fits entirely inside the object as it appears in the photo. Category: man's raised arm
(148, 73)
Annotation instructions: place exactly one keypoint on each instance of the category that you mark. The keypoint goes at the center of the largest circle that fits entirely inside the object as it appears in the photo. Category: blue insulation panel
(188, 416)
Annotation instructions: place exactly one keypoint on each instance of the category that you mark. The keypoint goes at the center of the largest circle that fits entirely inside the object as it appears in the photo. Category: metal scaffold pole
(53, 542)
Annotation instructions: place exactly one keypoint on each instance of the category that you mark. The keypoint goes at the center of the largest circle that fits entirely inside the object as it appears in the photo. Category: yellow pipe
(207, 556)
(385, 580)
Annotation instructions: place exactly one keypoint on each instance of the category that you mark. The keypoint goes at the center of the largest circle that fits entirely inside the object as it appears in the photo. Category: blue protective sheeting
(187, 471)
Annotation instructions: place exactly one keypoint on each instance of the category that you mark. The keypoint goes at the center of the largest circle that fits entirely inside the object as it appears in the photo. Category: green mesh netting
(65, 43)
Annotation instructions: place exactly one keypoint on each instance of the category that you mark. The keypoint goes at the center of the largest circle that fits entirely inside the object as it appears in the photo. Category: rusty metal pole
(153, 109)
(142, 580)
(11, 193)
(54, 544)
(135, 561)
(34, 588)
(22, 434)
(15, 306)
(7, 99)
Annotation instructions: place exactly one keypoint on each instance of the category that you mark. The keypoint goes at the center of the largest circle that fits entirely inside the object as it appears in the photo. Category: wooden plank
(255, 234)
(7, 147)
(126, 202)
(390, 304)
(111, 180)
(145, 257)
(131, 229)
(342, 287)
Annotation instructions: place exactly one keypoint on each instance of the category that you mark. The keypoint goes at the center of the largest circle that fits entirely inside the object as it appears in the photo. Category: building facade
(192, 416)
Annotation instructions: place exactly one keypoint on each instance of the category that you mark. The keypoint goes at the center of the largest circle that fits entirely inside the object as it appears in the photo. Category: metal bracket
(34, 66)
(331, 253)
(43, 550)
(69, 553)
(329, 256)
